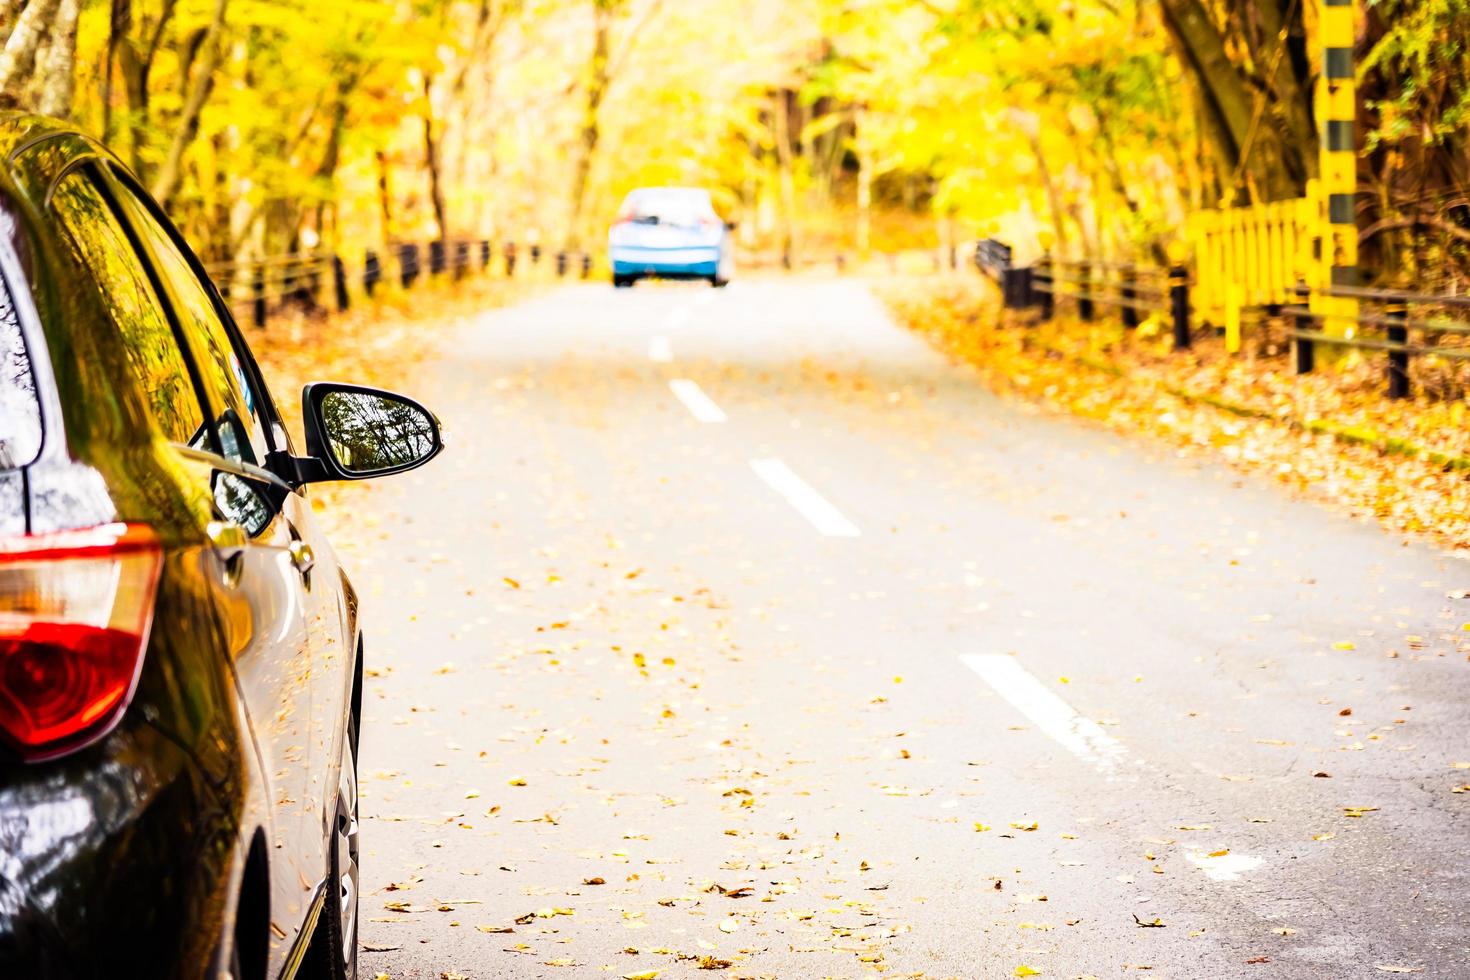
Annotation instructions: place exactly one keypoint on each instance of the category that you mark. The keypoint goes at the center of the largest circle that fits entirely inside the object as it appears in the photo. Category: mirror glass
(237, 500)
(370, 432)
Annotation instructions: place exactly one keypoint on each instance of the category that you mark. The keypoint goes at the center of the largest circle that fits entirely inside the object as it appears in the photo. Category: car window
(655, 207)
(20, 409)
(226, 384)
(100, 244)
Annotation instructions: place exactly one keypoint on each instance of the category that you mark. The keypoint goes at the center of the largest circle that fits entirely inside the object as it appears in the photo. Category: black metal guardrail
(318, 281)
(1398, 334)
(1138, 290)
(1133, 290)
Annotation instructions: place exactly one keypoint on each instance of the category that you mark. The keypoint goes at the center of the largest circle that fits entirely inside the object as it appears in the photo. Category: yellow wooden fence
(1254, 256)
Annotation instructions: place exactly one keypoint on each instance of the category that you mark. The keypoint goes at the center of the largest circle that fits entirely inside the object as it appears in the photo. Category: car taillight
(75, 610)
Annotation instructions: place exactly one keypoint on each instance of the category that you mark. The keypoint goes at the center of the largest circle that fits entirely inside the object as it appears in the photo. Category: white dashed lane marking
(1224, 867)
(799, 494)
(1085, 739)
(700, 405)
(1081, 736)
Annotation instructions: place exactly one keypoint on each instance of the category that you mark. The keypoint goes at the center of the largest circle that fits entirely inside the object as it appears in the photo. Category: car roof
(692, 192)
(19, 130)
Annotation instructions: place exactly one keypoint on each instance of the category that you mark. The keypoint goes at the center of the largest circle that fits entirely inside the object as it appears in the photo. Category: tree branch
(170, 173)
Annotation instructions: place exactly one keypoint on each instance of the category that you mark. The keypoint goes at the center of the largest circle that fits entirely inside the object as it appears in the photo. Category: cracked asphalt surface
(878, 674)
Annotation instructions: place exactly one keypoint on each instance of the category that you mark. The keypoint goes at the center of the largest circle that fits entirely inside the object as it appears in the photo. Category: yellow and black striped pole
(1337, 112)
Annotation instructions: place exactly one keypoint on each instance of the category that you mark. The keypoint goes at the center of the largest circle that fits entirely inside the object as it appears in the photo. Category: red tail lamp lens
(75, 610)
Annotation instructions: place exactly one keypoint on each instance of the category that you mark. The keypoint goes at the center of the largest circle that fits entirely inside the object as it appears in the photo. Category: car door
(258, 588)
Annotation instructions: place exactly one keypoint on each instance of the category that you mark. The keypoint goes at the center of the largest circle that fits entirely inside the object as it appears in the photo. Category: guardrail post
(461, 259)
(436, 256)
(257, 286)
(535, 253)
(372, 271)
(586, 265)
(1015, 287)
(1048, 296)
(339, 280)
(1398, 360)
(484, 253)
(1129, 293)
(312, 292)
(408, 263)
(510, 258)
(1085, 309)
(288, 282)
(561, 264)
(1306, 353)
(1179, 305)
(841, 263)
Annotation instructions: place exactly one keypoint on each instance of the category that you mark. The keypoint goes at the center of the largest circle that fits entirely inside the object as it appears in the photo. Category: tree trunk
(1246, 143)
(18, 59)
(787, 179)
(118, 24)
(864, 186)
(8, 9)
(58, 71)
(597, 83)
(385, 196)
(1028, 126)
(431, 162)
(171, 172)
(135, 62)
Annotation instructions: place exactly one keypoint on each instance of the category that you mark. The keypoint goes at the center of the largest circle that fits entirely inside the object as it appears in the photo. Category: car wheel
(333, 954)
(622, 282)
(719, 283)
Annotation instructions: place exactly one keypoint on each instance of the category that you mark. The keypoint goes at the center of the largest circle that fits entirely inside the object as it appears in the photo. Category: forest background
(1091, 127)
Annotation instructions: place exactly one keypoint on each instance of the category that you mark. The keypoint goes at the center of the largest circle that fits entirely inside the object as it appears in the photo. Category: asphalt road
(738, 631)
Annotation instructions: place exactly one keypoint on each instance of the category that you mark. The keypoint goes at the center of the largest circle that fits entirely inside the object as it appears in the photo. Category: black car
(180, 660)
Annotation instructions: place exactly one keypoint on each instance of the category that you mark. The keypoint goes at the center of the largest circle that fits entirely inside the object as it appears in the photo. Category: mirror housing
(354, 432)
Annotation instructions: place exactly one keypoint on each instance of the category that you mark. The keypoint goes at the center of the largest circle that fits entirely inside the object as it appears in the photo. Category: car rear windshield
(20, 410)
(683, 208)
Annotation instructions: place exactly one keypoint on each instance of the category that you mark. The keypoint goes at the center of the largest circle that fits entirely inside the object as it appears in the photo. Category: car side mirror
(356, 433)
(731, 225)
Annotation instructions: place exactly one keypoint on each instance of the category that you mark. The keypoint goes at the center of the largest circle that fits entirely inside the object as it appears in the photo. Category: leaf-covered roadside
(1331, 436)
(373, 344)
(381, 344)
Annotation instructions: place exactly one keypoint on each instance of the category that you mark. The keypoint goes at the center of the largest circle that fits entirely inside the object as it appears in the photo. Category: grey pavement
(825, 662)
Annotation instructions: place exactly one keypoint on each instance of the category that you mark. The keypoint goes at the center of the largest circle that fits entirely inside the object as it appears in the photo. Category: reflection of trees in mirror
(237, 501)
(368, 432)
